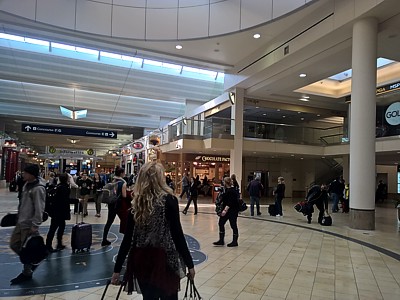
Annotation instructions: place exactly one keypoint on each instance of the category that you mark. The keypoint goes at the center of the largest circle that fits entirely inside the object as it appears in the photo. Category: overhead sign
(61, 151)
(388, 88)
(37, 128)
(206, 158)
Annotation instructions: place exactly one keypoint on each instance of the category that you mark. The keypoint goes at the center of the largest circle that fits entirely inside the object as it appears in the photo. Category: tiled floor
(281, 258)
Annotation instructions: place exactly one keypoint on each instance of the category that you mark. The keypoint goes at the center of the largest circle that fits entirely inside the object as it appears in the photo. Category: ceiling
(33, 85)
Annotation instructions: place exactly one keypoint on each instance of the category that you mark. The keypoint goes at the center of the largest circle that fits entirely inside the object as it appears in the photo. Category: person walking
(85, 185)
(279, 195)
(114, 208)
(59, 212)
(158, 252)
(335, 190)
(230, 212)
(30, 214)
(254, 188)
(98, 185)
(185, 186)
(318, 196)
(193, 195)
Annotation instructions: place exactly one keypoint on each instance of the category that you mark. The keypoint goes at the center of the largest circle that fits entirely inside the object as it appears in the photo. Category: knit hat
(32, 169)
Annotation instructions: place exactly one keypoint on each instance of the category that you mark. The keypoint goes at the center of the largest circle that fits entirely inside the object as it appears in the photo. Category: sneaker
(98, 215)
(277, 216)
(20, 278)
(105, 243)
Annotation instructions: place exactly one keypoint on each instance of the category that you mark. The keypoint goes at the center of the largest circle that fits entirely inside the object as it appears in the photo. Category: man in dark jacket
(59, 211)
(254, 188)
(30, 214)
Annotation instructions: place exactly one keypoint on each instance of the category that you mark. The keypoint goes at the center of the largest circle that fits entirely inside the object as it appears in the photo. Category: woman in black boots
(59, 211)
(230, 204)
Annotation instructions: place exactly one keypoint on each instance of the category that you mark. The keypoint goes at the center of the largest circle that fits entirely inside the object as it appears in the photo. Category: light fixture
(73, 114)
(302, 75)
(184, 121)
(179, 47)
(257, 36)
(73, 141)
(304, 99)
(232, 97)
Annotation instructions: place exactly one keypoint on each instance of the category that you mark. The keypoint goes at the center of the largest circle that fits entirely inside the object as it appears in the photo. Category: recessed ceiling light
(264, 114)
(302, 75)
(257, 107)
(302, 119)
(292, 155)
(304, 99)
(257, 36)
(299, 112)
(283, 116)
(318, 115)
(179, 47)
(301, 158)
(278, 109)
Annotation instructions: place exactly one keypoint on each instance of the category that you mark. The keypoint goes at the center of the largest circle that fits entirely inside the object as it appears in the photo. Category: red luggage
(81, 237)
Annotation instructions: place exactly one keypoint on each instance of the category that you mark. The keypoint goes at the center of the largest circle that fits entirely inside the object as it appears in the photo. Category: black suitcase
(13, 186)
(81, 237)
(272, 209)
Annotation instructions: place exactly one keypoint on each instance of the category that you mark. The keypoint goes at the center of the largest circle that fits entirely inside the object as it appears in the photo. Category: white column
(362, 125)
(237, 130)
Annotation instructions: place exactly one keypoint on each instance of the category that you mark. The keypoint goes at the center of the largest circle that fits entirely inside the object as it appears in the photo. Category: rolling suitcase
(81, 237)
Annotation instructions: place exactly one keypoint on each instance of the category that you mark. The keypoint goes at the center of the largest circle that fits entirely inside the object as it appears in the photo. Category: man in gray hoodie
(30, 214)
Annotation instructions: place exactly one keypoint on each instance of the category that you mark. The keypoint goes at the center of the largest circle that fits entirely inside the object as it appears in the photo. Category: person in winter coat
(193, 194)
(59, 211)
(230, 212)
(318, 196)
(158, 255)
(279, 195)
(30, 214)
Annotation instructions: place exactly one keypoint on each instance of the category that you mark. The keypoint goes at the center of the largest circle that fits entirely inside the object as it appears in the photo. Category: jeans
(278, 206)
(97, 200)
(112, 213)
(232, 217)
(256, 200)
(55, 223)
(335, 202)
(185, 190)
(194, 198)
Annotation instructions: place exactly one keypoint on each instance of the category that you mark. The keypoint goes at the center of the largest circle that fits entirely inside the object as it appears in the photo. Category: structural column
(236, 154)
(362, 125)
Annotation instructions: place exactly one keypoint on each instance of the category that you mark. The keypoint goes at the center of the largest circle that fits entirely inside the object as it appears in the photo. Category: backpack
(109, 194)
(51, 191)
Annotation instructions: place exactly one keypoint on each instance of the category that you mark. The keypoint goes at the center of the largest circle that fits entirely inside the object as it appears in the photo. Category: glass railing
(222, 128)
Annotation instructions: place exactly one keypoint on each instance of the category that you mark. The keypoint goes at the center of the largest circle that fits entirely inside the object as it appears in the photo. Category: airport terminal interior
(304, 89)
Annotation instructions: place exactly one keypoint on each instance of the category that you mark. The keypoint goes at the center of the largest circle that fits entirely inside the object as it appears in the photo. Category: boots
(234, 241)
(221, 239)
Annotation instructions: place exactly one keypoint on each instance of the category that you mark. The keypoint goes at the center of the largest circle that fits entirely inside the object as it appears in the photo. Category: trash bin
(215, 191)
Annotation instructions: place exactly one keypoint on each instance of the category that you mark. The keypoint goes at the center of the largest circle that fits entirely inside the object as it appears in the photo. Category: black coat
(60, 208)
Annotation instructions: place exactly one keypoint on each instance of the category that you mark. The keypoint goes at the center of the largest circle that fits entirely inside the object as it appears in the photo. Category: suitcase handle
(121, 283)
(77, 214)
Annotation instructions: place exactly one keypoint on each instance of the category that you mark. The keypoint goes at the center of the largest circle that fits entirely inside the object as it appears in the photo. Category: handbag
(242, 205)
(193, 292)
(326, 219)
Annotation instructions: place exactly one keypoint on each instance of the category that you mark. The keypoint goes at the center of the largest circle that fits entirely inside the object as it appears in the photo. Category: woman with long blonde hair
(158, 252)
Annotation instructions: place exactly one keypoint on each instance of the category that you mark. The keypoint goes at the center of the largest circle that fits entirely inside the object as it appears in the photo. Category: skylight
(380, 62)
(75, 52)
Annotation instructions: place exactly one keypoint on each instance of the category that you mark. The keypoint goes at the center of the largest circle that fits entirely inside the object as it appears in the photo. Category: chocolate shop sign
(205, 158)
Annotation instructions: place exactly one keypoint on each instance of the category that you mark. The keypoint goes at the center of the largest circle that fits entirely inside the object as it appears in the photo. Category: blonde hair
(150, 187)
(228, 181)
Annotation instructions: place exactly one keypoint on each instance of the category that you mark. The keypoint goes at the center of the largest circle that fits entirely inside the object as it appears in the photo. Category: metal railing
(222, 128)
